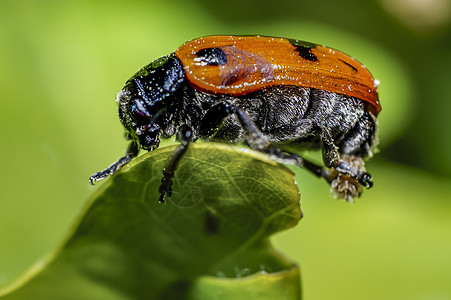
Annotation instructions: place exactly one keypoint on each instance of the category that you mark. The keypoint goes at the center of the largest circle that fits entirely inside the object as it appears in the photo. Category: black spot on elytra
(305, 53)
(212, 56)
(355, 70)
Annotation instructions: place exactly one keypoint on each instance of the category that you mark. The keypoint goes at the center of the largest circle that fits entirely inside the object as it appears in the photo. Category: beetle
(274, 94)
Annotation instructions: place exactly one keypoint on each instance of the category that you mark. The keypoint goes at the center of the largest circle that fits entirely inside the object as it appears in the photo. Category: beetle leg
(258, 141)
(132, 152)
(215, 115)
(254, 137)
(332, 159)
(295, 159)
(185, 135)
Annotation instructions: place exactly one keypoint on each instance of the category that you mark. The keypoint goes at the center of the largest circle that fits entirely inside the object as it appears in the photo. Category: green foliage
(209, 241)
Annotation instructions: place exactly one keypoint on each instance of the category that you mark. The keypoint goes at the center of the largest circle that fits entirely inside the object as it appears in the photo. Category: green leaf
(209, 241)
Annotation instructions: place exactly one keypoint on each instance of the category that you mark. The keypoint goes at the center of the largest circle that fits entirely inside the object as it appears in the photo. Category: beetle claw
(100, 175)
(165, 188)
(366, 180)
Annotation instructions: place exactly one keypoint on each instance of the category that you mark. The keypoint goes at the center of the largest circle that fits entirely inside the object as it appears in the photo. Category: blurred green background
(62, 62)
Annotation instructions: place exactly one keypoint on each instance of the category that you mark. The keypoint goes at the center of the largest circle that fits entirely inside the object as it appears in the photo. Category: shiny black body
(159, 101)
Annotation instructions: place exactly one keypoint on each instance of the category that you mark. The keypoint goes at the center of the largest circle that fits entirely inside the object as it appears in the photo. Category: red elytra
(256, 62)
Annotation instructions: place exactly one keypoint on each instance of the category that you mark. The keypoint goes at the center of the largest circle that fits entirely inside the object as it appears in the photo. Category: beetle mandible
(271, 93)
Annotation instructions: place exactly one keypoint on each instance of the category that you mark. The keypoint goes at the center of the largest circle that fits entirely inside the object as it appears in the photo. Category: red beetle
(273, 93)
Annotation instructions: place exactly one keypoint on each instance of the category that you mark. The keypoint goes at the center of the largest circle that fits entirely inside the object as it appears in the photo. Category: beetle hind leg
(342, 185)
(345, 187)
(295, 159)
(357, 173)
(348, 175)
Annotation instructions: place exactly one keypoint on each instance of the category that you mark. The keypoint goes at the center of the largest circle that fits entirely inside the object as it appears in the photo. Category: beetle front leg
(132, 152)
(185, 135)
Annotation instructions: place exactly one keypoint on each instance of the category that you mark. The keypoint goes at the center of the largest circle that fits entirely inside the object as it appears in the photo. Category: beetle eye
(139, 112)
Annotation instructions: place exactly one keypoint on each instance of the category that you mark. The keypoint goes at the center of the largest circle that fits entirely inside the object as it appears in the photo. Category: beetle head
(146, 103)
